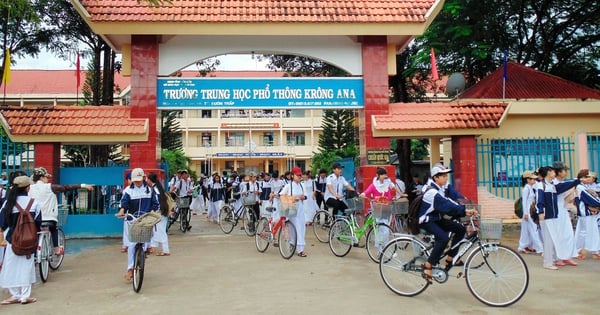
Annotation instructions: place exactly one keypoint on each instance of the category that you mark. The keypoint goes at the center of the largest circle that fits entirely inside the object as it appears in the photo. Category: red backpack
(24, 236)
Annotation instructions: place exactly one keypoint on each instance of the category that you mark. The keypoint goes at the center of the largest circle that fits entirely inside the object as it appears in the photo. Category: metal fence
(16, 156)
(502, 161)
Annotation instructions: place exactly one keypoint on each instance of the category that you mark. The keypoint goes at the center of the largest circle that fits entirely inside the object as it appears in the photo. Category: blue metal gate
(594, 153)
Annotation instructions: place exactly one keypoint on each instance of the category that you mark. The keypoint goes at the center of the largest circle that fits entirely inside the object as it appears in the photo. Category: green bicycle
(346, 233)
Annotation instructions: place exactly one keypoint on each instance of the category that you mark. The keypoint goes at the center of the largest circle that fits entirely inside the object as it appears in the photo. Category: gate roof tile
(72, 121)
(431, 116)
(258, 11)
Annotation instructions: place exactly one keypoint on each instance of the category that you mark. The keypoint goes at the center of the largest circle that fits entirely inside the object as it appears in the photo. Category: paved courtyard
(212, 273)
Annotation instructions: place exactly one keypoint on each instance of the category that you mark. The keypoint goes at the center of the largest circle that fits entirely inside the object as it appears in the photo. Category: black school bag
(414, 208)
(24, 236)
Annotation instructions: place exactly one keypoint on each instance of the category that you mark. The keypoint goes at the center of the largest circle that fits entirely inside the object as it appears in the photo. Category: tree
(170, 133)
(557, 37)
(22, 28)
(338, 130)
(175, 160)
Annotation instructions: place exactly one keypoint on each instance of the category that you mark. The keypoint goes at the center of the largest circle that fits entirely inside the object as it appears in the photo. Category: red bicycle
(283, 228)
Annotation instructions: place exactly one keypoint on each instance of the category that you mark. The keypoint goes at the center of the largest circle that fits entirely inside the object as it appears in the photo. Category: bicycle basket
(356, 204)
(381, 210)
(140, 230)
(400, 206)
(490, 228)
(183, 202)
(249, 200)
(63, 213)
(289, 208)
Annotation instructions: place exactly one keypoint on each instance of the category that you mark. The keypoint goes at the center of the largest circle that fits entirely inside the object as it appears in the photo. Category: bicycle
(46, 257)
(346, 233)
(284, 228)
(229, 218)
(140, 232)
(183, 214)
(495, 274)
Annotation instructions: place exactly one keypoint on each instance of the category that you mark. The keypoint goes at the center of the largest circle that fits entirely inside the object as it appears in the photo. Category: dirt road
(212, 273)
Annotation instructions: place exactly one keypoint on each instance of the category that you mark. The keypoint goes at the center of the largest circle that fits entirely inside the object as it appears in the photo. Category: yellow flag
(6, 74)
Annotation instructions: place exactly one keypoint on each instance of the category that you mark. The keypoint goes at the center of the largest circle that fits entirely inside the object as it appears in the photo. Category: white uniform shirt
(338, 184)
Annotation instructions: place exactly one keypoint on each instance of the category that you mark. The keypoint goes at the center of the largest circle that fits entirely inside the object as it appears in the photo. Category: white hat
(22, 181)
(137, 174)
(439, 170)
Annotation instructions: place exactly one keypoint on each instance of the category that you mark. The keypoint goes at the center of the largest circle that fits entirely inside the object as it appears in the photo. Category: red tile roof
(260, 11)
(526, 83)
(72, 121)
(438, 116)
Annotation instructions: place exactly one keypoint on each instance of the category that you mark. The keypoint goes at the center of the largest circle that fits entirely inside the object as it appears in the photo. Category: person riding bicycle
(334, 193)
(45, 193)
(437, 215)
(138, 198)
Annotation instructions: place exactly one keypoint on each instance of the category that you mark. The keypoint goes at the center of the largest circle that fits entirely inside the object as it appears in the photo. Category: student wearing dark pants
(334, 194)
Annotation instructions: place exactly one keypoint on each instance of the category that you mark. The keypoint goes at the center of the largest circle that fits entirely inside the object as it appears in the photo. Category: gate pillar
(144, 74)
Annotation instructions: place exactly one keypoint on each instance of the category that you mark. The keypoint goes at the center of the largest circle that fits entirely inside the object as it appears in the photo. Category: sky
(47, 61)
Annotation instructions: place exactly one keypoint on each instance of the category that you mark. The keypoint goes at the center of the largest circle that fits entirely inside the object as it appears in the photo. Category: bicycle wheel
(321, 225)
(138, 267)
(56, 260)
(401, 267)
(340, 238)
(376, 240)
(249, 222)
(496, 275)
(226, 219)
(184, 219)
(287, 240)
(44, 252)
(263, 235)
(172, 219)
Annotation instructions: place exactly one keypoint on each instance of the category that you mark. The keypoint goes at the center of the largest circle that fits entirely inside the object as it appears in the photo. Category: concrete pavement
(213, 273)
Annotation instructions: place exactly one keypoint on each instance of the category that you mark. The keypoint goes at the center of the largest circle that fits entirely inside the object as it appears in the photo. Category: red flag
(434, 71)
(78, 70)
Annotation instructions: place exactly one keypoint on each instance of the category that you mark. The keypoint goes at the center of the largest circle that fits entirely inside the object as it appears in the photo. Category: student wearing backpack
(530, 239)
(18, 272)
(436, 216)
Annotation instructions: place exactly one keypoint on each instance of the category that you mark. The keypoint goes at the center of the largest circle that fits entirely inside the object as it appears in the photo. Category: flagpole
(504, 75)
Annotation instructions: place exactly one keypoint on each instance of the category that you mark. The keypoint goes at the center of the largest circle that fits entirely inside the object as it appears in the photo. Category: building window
(295, 138)
(235, 139)
(268, 139)
(206, 139)
(290, 113)
(206, 113)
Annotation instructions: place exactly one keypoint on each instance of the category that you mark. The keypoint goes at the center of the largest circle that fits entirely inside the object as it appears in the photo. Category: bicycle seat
(270, 209)
(47, 223)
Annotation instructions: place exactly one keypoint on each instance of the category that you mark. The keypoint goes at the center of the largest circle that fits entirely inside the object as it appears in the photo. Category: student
(321, 186)
(530, 240)
(159, 235)
(296, 191)
(587, 235)
(18, 272)
(334, 194)
(547, 192)
(138, 198)
(436, 217)
(45, 193)
(310, 205)
(565, 245)
(217, 195)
